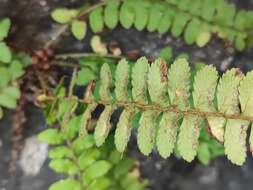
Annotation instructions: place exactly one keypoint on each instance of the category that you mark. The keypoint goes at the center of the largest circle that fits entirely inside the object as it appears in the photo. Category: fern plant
(171, 111)
(197, 20)
(11, 68)
(86, 166)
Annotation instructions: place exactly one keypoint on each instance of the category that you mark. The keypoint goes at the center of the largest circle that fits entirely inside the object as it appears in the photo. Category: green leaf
(123, 168)
(96, 20)
(178, 83)
(141, 14)
(103, 126)
(65, 108)
(179, 24)
(188, 137)
(147, 132)
(203, 38)
(111, 14)
(241, 22)
(63, 15)
(184, 4)
(205, 83)
(132, 183)
(88, 157)
(7, 101)
(246, 94)
(12, 92)
(5, 53)
(157, 81)
(72, 127)
(83, 143)
(167, 133)
(50, 136)
(240, 43)
(139, 80)
(78, 29)
(208, 10)
(166, 53)
(97, 169)
(84, 76)
(101, 183)
(235, 140)
(67, 184)
(156, 13)
(5, 25)
(60, 152)
(227, 101)
(63, 166)
(16, 69)
(204, 154)
(5, 77)
(192, 31)
(115, 157)
(166, 21)
(225, 14)
(123, 130)
(127, 14)
(122, 80)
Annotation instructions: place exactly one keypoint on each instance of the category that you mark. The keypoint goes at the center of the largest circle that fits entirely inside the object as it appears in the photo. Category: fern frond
(163, 97)
(196, 19)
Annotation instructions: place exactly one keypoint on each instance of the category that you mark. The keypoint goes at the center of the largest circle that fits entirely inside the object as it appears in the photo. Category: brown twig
(80, 55)
(171, 108)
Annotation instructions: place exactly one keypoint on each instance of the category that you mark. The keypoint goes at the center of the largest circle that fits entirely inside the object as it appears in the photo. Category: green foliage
(67, 184)
(5, 55)
(96, 19)
(94, 165)
(50, 136)
(64, 15)
(5, 25)
(78, 28)
(147, 132)
(196, 19)
(227, 87)
(11, 68)
(168, 104)
(84, 165)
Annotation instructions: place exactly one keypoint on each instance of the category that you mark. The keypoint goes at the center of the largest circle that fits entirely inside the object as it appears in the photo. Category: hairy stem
(171, 108)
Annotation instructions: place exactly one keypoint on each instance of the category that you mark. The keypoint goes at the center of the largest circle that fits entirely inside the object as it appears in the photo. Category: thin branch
(59, 32)
(81, 55)
(62, 60)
